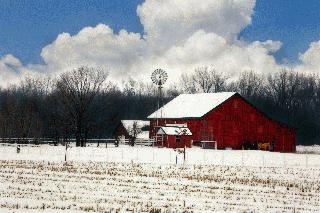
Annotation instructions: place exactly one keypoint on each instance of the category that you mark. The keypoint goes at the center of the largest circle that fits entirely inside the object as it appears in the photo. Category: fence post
(176, 159)
(107, 156)
(65, 154)
(184, 154)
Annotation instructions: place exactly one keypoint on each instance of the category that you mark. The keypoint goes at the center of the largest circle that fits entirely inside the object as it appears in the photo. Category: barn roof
(174, 130)
(192, 105)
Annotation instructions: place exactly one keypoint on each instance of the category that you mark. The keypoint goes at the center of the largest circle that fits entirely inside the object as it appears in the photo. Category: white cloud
(180, 35)
(10, 69)
(311, 58)
(167, 22)
(95, 46)
(271, 46)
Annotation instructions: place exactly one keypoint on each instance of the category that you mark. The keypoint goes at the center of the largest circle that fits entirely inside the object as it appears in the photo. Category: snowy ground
(142, 179)
(315, 149)
(142, 154)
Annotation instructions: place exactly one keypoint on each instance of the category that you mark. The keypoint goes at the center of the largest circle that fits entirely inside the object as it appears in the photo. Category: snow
(171, 130)
(30, 186)
(161, 156)
(314, 149)
(192, 105)
(142, 179)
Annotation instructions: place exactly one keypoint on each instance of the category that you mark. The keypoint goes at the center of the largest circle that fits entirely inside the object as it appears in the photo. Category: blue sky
(294, 22)
(26, 26)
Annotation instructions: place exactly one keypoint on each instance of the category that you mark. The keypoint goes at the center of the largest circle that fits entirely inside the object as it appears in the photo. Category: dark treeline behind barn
(83, 104)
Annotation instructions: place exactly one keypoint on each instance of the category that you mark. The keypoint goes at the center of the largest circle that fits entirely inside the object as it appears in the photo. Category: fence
(28, 140)
(97, 141)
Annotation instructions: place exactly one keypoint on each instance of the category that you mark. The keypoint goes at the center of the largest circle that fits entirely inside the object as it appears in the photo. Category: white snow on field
(314, 149)
(141, 154)
(142, 179)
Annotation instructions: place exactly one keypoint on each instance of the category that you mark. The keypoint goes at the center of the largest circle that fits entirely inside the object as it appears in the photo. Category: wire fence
(72, 141)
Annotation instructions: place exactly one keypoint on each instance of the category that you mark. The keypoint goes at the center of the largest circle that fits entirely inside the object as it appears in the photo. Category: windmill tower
(159, 77)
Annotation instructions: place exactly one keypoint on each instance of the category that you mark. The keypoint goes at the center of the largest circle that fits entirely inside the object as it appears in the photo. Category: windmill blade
(159, 77)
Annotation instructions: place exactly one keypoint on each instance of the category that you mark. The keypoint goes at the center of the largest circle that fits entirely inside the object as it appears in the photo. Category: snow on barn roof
(128, 124)
(173, 130)
(192, 105)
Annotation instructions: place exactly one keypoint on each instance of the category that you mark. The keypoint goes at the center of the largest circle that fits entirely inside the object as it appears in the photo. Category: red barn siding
(170, 141)
(234, 122)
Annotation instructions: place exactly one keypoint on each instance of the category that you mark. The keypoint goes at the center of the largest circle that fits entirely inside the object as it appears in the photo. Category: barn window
(177, 138)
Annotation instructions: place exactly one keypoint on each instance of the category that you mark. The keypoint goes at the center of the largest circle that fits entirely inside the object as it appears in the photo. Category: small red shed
(226, 118)
(174, 136)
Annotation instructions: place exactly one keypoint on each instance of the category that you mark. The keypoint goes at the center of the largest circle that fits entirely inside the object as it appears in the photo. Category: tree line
(83, 103)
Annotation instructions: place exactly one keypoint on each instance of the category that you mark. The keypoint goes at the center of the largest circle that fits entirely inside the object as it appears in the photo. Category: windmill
(159, 77)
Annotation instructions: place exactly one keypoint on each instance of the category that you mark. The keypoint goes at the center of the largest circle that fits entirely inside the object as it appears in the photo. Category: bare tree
(283, 87)
(204, 79)
(78, 104)
(249, 85)
(134, 131)
(76, 91)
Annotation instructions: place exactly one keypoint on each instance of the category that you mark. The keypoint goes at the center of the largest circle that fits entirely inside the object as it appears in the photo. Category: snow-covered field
(141, 154)
(142, 179)
(314, 149)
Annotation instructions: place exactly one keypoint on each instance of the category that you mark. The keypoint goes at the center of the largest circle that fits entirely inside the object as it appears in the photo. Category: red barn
(174, 136)
(226, 118)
